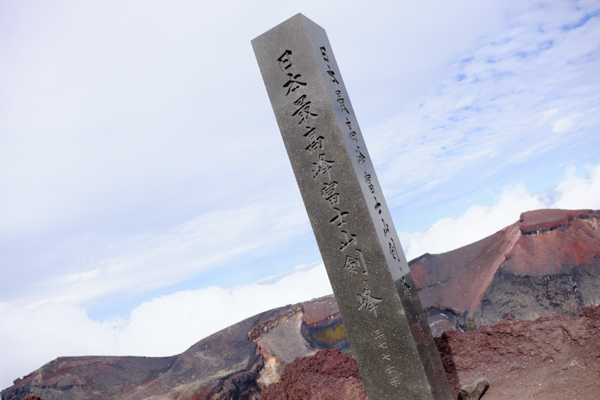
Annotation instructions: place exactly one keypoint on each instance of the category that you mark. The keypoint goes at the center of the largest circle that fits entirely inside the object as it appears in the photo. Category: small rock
(475, 390)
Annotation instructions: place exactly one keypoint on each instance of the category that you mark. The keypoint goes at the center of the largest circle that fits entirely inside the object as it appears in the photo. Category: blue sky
(147, 199)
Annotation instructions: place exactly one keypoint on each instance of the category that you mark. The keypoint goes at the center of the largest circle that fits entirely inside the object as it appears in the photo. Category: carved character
(352, 133)
(322, 166)
(324, 54)
(293, 83)
(360, 156)
(377, 205)
(368, 180)
(368, 302)
(386, 228)
(340, 100)
(339, 217)
(349, 238)
(285, 61)
(393, 250)
(328, 191)
(315, 142)
(304, 109)
(351, 264)
(332, 75)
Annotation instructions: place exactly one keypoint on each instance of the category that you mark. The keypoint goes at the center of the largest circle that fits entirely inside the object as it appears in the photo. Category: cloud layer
(574, 192)
(31, 337)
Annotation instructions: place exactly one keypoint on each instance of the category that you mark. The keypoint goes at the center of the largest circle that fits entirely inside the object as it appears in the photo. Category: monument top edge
(299, 16)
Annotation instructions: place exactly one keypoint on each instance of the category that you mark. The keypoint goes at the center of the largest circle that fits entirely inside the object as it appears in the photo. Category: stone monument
(371, 280)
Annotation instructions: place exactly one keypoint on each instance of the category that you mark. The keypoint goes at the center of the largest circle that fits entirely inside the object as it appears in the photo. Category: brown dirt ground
(551, 358)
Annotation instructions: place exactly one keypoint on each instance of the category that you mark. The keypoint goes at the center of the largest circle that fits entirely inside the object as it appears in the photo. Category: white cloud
(31, 337)
(562, 125)
(154, 260)
(575, 192)
(579, 191)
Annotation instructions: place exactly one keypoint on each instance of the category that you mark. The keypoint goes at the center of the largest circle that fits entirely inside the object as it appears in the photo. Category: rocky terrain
(552, 358)
(546, 263)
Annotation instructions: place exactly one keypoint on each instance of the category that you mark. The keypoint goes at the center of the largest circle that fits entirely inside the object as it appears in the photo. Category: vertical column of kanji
(396, 261)
(339, 188)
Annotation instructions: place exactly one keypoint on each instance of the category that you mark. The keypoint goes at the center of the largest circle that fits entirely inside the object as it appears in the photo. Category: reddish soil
(328, 375)
(551, 358)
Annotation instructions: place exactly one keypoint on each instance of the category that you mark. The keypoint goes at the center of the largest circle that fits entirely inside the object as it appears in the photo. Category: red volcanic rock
(328, 375)
(547, 262)
(320, 310)
(540, 220)
(551, 358)
(33, 398)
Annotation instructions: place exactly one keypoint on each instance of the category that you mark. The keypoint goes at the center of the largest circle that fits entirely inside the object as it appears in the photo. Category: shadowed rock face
(547, 262)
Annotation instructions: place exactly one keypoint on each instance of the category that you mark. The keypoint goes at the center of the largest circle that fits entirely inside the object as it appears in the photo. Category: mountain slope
(547, 262)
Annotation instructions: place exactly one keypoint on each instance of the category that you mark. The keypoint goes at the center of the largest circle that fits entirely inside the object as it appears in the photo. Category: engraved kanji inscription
(339, 218)
(322, 166)
(359, 156)
(352, 132)
(348, 239)
(315, 142)
(386, 228)
(293, 83)
(330, 194)
(368, 181)
(329, 158)
(341, 101)
(332, 76)
(368, 302)
(324, 53)
(354, 265)
(377, 205)
(304, 109)
(394, 250)
(285, 61)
